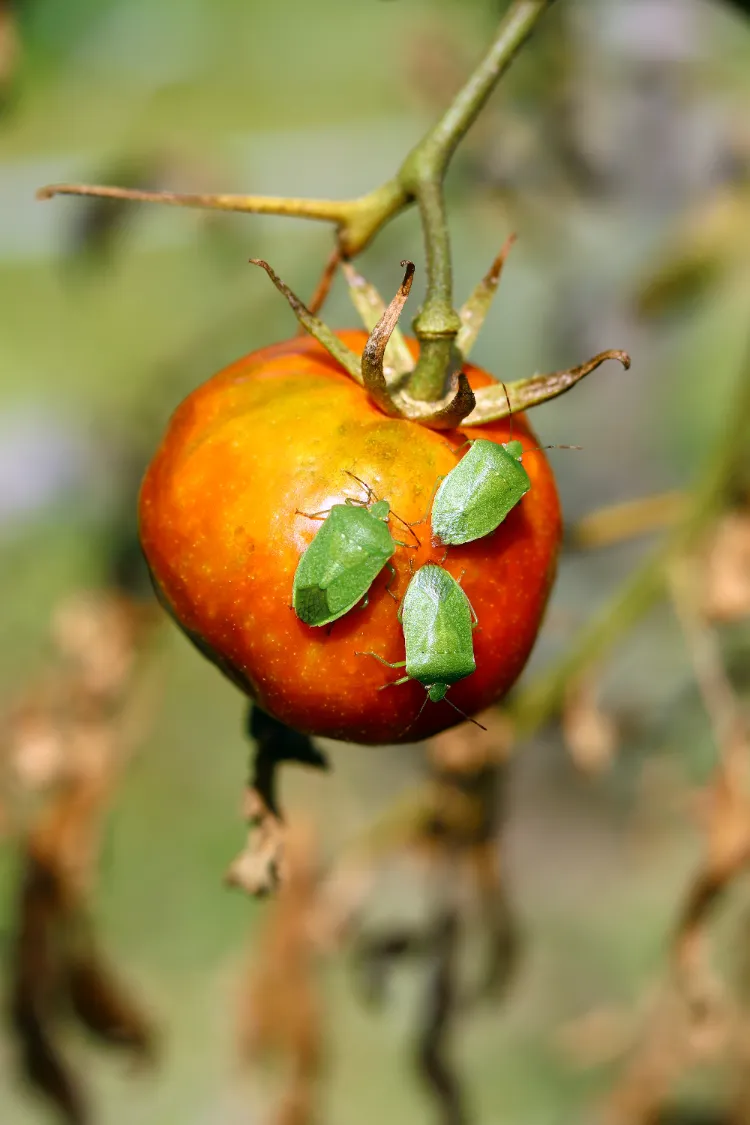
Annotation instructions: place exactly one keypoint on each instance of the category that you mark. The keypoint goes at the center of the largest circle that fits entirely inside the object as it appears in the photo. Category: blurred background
(618, 150)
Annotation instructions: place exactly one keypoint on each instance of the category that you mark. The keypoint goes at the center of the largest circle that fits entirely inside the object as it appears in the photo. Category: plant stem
(421, 176)
(515, 28)
(419, 179)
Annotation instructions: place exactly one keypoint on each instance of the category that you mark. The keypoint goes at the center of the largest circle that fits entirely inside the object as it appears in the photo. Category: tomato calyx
(386, 363)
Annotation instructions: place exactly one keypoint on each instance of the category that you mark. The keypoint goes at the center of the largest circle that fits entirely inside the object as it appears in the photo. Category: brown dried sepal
(498, 402)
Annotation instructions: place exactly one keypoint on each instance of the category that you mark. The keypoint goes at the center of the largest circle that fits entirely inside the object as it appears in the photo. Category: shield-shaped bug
(476, 496)
(349, 551)
(438, 621)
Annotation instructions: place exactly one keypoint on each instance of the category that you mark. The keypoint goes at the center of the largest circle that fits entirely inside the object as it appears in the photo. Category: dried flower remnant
(258, 867)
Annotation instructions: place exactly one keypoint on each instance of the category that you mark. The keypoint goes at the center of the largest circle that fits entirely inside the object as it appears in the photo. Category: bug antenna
(409, 528)
(467, 717)
(510, 412)
(541, 448)
(419, 712)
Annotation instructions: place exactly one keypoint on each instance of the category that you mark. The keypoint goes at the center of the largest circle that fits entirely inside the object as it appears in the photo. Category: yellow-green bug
(438, 621)
(344, 559)
(476, 496)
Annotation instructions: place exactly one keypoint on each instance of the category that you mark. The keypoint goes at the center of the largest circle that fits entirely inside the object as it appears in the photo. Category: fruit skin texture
(273, 433)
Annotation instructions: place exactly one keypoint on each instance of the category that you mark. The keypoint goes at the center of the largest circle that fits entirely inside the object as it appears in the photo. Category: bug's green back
(338, 568)
(437, 622)
(477, 495)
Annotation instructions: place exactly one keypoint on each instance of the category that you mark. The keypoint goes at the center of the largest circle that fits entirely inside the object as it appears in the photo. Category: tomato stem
(419, 179)
(422, 174)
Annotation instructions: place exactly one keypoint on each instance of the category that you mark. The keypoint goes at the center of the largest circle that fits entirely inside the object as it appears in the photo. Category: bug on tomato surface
(438, 621)
(476, 496)
(344, 559)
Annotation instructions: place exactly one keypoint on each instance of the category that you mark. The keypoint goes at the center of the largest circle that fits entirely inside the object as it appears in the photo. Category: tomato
(272, 434)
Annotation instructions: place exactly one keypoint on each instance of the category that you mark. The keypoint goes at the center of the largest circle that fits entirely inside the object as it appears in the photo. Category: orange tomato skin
(269, 438)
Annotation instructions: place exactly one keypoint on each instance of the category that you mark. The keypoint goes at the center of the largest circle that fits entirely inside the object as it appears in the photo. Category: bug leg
(388, 664)
(458, 448)
(388, 589)
(313, 515)
(395, 683)
(370, 494)
(365, 599)
(438, 482)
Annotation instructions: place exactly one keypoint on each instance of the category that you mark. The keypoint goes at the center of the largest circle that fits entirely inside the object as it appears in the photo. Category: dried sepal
(398, 360)
(343, 355)
(373, 376)
(474, 312)
(493, 403)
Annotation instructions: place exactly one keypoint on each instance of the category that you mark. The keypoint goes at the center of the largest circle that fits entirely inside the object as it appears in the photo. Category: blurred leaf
(714, 240)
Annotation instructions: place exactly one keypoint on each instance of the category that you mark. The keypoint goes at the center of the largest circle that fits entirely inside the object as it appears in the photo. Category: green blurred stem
(535, 705)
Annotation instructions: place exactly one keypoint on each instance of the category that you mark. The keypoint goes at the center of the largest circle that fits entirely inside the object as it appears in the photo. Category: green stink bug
(344, 559)
(476, 496)
(438, 620)
(486, 484)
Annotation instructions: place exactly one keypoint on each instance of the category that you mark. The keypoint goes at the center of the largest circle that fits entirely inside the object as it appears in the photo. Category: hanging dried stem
(86, 717)
(257, 869)
(281, 1011)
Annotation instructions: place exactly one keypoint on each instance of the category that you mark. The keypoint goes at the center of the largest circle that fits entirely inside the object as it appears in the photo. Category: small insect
(476, 496)
(344, 559)
(437, 620)
(486, 484)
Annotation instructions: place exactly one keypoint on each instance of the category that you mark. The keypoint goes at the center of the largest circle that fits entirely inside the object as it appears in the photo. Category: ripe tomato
(273, 433)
